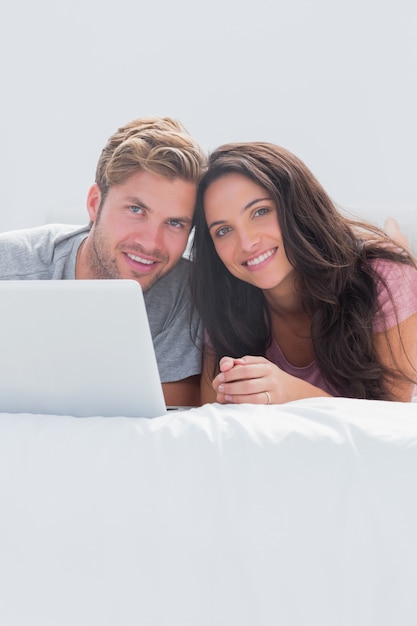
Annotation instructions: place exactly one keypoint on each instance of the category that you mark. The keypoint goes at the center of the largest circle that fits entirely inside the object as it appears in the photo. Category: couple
(295, 300)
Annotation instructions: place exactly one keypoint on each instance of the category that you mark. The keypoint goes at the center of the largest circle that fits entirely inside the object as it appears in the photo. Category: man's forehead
(174, 197)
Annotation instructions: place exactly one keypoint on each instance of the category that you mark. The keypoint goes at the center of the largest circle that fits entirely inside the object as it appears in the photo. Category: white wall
(335, 82)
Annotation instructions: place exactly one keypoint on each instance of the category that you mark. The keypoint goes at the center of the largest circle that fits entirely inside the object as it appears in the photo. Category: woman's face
(243, 223)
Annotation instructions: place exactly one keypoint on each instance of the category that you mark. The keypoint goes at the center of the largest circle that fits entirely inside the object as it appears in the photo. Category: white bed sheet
(300, 514)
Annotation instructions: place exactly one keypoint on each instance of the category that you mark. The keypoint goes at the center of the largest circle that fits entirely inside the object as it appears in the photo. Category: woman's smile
(259, 261)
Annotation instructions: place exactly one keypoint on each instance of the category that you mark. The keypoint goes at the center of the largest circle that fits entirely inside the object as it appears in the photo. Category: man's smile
(139, 259)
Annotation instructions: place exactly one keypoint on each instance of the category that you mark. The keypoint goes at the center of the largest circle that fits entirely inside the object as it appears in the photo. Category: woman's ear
(93, 201)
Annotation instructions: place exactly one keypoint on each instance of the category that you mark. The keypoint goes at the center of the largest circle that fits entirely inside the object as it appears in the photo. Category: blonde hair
(160, 145)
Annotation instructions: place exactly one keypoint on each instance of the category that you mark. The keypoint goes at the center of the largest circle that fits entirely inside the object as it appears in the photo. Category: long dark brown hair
(332, 256)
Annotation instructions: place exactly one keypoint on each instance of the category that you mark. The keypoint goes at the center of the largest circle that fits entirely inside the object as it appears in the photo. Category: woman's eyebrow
(245, 208)
(216, 223)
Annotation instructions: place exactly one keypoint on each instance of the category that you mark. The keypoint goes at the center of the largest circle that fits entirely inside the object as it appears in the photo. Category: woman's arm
(397, 349)
(392, 229)
(207, 392)
(256, 380)
(185, 392)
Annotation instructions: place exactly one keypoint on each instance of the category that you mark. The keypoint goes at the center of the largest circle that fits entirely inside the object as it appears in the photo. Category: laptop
(77, 347)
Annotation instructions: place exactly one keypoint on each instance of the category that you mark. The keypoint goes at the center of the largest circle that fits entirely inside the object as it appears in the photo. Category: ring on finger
(268, 397)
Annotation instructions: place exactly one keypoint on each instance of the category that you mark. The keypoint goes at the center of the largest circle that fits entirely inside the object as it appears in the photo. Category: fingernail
(220, 388)
(228, 398)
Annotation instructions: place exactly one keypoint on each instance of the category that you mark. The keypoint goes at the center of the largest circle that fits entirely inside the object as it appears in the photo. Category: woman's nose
(249, 239)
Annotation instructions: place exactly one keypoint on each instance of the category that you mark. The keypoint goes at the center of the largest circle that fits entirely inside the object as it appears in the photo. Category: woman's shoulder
(388, 269)
(395, 277)
(397, 292)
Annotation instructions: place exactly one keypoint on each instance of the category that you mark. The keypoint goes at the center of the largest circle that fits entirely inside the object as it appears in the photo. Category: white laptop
(77, 347)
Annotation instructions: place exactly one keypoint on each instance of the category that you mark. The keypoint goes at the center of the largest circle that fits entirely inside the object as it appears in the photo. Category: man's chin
(146, 282)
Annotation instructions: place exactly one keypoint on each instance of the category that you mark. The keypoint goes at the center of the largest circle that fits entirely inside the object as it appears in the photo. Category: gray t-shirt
(50, 252)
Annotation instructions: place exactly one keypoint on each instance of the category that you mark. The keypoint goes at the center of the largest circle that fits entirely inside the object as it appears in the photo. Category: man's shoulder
(32, 252)
(181, 269)
(172, 291)
(39, 234)
(176, 278)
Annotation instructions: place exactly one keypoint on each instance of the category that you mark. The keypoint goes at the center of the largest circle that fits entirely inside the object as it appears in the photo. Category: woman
(297, 300)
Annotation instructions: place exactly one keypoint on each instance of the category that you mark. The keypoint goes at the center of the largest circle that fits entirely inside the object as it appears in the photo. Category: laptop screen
(77, 347)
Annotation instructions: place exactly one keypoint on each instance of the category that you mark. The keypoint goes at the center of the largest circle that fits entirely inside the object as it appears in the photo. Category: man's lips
(140, 259)
(261, 258)
(142, 264)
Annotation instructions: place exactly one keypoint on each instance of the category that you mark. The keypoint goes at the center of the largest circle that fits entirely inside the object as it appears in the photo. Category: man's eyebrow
(136, 202)
(245, 208)
(185, 220)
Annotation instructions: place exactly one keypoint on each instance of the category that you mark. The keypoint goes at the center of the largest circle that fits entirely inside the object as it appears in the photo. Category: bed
(299, 514)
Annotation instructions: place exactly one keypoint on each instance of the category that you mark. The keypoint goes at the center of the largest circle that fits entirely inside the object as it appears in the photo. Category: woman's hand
(256, 380)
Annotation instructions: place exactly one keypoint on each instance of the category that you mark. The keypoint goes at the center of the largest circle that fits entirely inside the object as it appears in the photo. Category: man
(141, 209)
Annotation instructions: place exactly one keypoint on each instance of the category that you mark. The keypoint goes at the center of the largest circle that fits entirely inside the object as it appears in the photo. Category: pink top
(402, 282)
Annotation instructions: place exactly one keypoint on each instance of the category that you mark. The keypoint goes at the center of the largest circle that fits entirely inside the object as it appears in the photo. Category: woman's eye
(222, 231)
(262, 211)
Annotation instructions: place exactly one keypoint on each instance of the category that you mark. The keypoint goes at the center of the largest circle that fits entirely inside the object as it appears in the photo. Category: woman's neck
(284, 300)
(290, 325)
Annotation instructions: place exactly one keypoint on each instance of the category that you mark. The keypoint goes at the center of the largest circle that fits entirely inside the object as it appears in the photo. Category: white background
(335, 82)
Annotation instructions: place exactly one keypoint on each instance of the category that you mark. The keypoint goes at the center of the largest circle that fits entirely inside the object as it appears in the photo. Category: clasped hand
(251, 379)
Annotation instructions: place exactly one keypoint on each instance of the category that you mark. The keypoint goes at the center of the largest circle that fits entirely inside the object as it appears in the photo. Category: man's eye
(222, 231)
(176, 223)
(136, 209)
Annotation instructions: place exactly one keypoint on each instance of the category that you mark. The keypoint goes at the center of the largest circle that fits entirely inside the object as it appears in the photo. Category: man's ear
(93, 201)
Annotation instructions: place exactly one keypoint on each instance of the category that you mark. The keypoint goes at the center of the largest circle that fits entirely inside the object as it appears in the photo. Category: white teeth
(261, 258)
(140, 260)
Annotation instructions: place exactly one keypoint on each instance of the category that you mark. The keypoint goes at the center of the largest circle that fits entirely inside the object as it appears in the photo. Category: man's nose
(150, 235)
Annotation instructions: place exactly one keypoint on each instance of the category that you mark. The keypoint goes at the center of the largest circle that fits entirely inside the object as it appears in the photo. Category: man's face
(142, 228)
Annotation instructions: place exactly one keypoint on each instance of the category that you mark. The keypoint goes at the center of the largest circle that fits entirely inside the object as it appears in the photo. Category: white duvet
(302, 514)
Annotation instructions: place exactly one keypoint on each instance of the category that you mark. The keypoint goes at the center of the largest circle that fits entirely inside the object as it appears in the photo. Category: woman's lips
(261, 258)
